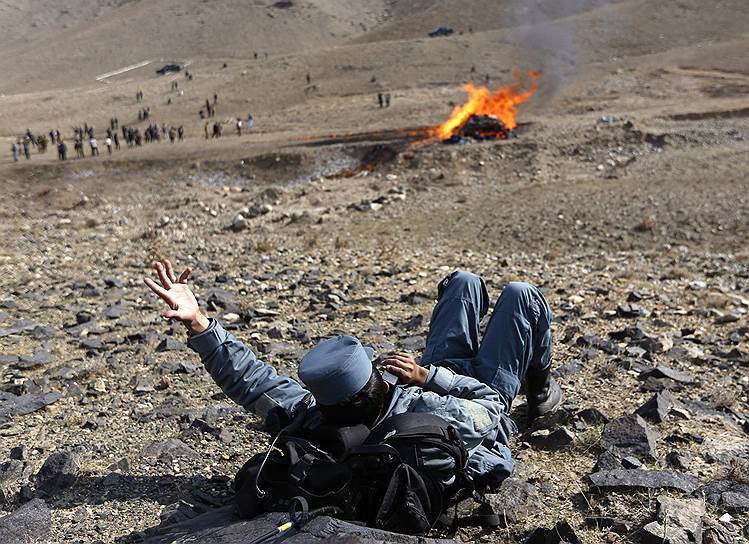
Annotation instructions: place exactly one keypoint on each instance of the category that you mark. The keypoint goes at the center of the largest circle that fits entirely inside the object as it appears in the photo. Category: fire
(481, 101)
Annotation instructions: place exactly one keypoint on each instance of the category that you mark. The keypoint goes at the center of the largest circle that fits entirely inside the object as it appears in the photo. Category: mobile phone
(389, 377)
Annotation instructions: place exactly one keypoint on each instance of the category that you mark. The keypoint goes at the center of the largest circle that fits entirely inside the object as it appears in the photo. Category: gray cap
(336, 369)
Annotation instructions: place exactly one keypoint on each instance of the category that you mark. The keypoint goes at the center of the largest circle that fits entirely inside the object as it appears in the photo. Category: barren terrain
(624, 196)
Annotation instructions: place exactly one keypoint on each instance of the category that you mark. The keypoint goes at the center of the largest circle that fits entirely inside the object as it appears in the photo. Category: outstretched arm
(245, 379)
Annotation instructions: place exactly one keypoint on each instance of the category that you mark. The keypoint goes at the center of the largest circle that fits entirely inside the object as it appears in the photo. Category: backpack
(375, 477)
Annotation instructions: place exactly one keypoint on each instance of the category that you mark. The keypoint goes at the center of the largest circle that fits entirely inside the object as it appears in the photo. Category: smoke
(548, 33)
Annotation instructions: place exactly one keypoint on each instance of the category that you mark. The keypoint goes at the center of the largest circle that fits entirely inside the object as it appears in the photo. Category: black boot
(542, 392)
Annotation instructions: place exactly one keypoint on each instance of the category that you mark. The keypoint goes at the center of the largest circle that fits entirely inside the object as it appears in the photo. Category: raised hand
(175, 292)
(404, 366)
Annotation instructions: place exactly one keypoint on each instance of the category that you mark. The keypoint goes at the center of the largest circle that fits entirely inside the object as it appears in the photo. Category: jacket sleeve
(473, 407)
(244, 378)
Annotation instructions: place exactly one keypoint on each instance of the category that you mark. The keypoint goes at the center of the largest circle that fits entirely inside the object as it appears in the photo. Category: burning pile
(486, 115)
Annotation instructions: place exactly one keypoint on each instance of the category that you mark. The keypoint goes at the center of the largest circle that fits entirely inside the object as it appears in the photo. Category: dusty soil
(626, 184)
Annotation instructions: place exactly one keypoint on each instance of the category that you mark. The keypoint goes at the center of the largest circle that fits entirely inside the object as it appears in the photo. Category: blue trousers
(517, 338)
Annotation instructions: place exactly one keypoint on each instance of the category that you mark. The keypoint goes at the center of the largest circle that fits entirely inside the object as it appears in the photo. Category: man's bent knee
(460, 283)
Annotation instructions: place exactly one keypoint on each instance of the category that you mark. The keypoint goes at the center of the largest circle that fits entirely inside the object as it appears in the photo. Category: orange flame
(481, 101)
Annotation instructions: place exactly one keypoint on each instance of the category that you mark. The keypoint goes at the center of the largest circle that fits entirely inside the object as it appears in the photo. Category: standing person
(309, 78)
(108, 143)
(387, 100)
(14, 151)
(94, 146)
(180, 133)
(172, 134)
(26, 145)
(215, 99)
(250, 121)
(205, 128)
(62, 150)
(116, 141)
(380, 99)
(239, 126)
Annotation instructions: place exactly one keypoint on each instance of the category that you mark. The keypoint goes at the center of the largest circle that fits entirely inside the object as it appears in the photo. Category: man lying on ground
(468, 381)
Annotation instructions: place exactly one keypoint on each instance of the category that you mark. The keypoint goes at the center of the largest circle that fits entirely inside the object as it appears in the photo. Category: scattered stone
(30, 523)
(170, 344)
(631, 311)
(11, 472)
(58, 472)
(560, 533)
(629, 435)
(631, 462)
(678, 460)
(658, 407)
(571, 367)
(617, 525)
(19, 452)
(657, 344)
(39, 358)
(640, 478)
(20, 405)
(116, 310)
(592, 416)
(679, 522)
(607, 461)
(552, 440)
(662, 371)
(516, 499)
(169, 449)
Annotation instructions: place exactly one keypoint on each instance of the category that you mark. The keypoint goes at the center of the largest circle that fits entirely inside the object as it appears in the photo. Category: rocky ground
(635, 229)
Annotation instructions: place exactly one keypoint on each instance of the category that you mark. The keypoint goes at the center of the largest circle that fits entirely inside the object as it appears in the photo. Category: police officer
(468, 381)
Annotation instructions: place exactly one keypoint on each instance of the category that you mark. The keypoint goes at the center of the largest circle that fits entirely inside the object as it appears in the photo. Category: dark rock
(91, 344)
(657, 408)
(617, 525)
(629, 435)
(662, 371)
(571, 367)
(415, 298)
(11, 472)
(631, 462)
(83, 317)
(678, 460)
(224, 526)
(516, 499)
(592, 416)
(170, 344)
(116, 310)
(631, 311)
(123, 465)
(41, 357)
(220, 299)
(679, 522)
(112, 282)
(607, 461)
(413, 323)
(560, 533)
(20, 405)
(169, 449)
(635, 333)
(19, 452)
(30, 523)
(545, 440)
(58, 472)
(640, 478)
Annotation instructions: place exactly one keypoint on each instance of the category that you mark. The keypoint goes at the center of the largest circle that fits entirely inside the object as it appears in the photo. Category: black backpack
(373, 477)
